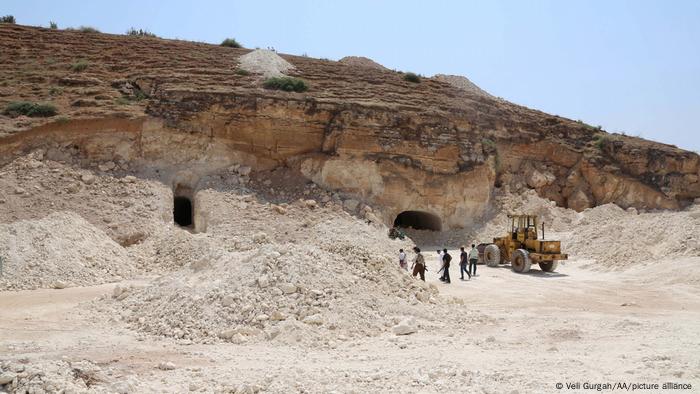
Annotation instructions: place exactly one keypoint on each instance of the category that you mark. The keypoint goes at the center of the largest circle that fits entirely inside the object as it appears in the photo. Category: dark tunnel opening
(182, 211)
(418, 220)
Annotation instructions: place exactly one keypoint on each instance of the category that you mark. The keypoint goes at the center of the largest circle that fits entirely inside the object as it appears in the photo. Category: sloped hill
(359, 130)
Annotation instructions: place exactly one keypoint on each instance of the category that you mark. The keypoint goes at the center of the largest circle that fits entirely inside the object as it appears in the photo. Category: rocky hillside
(188, 109)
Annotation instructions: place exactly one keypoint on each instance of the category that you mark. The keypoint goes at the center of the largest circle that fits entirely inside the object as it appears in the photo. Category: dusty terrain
(630, 316)
(282, 277)
(533, 332)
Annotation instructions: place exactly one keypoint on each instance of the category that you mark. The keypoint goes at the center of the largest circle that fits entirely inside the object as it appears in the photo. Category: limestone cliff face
(390, 159)
(365, 132)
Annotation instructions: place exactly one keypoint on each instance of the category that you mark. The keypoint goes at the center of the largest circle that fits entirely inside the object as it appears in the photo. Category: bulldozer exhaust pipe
(543, 231)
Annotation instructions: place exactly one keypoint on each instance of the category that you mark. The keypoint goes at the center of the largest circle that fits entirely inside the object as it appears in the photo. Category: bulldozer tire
(549, 266)
(492, 255)
(520, 261)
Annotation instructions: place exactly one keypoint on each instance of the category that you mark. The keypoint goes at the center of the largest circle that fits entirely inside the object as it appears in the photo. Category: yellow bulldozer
(522, 247)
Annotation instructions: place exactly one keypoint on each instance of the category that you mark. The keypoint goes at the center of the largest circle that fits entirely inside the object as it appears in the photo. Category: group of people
(467, 263)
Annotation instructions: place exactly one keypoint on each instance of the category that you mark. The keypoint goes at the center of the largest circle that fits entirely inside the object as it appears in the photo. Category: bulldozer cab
(523, 227)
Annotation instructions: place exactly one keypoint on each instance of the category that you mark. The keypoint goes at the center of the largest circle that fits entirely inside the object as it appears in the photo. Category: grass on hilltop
(34, 110)
(231, 43)
(288, 84)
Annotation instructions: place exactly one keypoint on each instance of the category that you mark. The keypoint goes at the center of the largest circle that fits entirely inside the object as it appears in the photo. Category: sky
(631, 66)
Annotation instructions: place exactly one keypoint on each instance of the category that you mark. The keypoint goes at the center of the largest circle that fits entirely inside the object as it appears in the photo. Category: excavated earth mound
(59, 251)
(286, 292)
(318, 275)
(608, 236)
(265, 62)
(461, 82)
(124, 206)
(616, 238)
(360, 61)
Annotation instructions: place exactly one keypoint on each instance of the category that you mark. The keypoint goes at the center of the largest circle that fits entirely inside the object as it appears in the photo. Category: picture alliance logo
(626, 386)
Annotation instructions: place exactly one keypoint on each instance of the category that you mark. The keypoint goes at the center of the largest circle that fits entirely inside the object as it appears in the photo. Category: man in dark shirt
(463, 261)
(446, 258)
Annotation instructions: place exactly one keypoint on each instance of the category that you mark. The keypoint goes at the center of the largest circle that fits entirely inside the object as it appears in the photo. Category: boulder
(288, 288)
(263, 281)
(88, 179)
(262, 317)
(244, 170)
(108, 166)
(316, 319)
(227, 300)
(260, 237)
(405, 327)
(7, 377)
(59, 284)
(166, 366)
(227, 334)
(351, 204)
(537, 179)
(277, 316)
(579, 201)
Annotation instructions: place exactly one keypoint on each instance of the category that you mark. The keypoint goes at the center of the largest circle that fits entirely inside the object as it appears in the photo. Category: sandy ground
(538, 330)
(630, 316)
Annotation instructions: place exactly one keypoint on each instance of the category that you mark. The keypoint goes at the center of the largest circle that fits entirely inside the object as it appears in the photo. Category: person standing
(402, 260)
(418, 265)
(473, 259)
(463, 261)
(439, 252)
(446, 258)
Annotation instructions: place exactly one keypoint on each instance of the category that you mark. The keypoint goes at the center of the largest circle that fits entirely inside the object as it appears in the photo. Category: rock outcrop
(365, 132)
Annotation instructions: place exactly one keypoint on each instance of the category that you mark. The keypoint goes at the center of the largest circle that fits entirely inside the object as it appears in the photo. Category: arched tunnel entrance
(182, 211)
(183, 206)
(418, 220)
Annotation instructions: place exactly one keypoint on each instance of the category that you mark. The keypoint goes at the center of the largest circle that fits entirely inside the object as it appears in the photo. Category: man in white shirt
(402, 260)
(473, 259)
(439, 252)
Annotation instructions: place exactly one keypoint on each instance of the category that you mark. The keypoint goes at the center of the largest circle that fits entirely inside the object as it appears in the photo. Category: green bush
(88, 29)
(411, 77)
(489, 143)
(29, 109)
(601, 140)
(8, 19)
(231, 43)
(79, 66)
(123, 100)
(288, 84)
(53, 25)
(140, 33)
(599, 128)
(84, 29)
(242, 72)
(138, 95)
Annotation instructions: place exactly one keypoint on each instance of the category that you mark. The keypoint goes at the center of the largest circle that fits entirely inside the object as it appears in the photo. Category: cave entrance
(182, 211)
(183, 206)
(418, 220)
